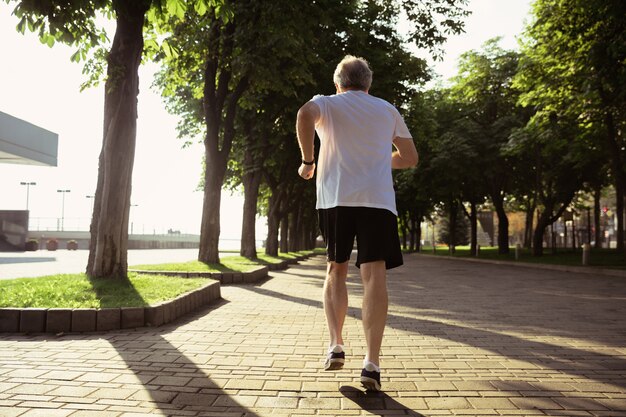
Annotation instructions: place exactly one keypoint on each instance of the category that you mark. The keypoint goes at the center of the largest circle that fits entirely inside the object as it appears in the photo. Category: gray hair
(353, 73)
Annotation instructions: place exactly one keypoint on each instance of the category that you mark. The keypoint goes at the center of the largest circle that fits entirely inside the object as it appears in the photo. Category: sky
(40, 85)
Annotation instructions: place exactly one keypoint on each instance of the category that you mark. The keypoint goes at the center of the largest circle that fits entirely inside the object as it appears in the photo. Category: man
(355, 198)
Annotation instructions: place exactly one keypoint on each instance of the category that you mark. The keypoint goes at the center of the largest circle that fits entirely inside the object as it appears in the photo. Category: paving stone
(169, 314)
(59, 320)
(227, 278)
(245, 384)
(9, 320)
(491, 403)
(447, 403)
(154, 315)
(84, 320)
(195, 399)
(462, 339)
(277, 402)
(536, 403)
(237, 278)
(33, 320)
(108, 319)
(132, 317)
(10, 411)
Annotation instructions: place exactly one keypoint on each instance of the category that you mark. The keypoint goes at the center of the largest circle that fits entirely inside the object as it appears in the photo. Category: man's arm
(405, 155)
(305, 128)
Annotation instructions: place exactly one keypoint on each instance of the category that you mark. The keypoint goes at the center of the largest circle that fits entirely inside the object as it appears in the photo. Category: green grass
(228, 263)
(603, 258)
(79, 291)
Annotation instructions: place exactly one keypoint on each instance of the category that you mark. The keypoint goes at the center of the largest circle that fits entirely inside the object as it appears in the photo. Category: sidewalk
(462, 339)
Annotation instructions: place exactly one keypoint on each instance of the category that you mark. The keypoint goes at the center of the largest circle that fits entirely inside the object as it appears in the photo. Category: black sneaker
(335, 359)
(370, 378)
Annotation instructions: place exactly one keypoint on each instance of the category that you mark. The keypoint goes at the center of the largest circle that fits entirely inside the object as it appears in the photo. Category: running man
(362, 138)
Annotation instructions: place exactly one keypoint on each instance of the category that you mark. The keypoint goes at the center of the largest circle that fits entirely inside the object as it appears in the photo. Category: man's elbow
(413, 160)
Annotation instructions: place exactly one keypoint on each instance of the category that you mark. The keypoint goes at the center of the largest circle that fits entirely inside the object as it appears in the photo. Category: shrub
(32, 245)
(52, 244)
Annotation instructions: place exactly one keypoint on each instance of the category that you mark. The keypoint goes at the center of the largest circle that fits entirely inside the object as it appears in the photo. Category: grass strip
(80, 291)
(227, 264)
(600, 258)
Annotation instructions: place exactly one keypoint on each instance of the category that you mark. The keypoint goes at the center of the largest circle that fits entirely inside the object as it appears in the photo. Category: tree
(73, 22)
(561, 166)
(574, 53)
(483, 88)
(260, 47)
(453, 230)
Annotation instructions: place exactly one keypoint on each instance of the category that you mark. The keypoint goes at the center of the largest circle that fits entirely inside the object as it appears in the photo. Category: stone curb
(563, 268)
(58, 320)
(61, 321)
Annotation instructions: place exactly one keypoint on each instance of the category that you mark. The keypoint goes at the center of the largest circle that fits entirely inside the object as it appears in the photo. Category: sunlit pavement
(462, 339)
(42, 262)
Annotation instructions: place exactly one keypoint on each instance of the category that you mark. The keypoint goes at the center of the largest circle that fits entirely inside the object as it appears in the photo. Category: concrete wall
(13, 230)
(170, 241)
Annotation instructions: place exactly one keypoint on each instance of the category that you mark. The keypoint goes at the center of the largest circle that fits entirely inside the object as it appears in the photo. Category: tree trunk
(619, 213)
(210, 227)
(292, 234)
(220, 97)
(403, 230)
(284, 233)
(540, 229)
(553, 238)
(619, 176)
(503, 224)
(251, 179)
(109, 224)
(452, 227)
(528, 224)
(251, 183)
(596, 218)
(565, 233)
(473, 229)
(273, 222)
(418, 236)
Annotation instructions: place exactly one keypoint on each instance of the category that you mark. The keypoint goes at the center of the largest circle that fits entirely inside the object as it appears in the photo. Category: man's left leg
(374, 316)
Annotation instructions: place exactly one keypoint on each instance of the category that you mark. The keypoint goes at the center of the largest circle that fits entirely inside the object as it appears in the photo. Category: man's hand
(306, 171)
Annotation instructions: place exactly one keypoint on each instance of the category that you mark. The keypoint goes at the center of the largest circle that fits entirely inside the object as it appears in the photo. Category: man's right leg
(336, 300)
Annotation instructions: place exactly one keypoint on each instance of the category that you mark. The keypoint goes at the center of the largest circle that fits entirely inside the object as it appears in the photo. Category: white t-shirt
(356, 131)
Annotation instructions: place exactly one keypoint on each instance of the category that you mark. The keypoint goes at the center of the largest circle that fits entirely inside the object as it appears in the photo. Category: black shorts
(376, 232)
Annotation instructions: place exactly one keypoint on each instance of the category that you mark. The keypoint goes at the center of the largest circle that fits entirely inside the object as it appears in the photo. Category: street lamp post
(27, 184)
(131, 223)
(63, 192)
(91, 198)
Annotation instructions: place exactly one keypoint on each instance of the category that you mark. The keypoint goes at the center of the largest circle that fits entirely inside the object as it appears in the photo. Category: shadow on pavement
(592, 365)
(175, 384)
(8, 260)
(373, 402)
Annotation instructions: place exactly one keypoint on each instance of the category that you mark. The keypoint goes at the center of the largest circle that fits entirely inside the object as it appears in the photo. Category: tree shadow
(593, 365)
(525, 299)
(172, 382)
(376, 402)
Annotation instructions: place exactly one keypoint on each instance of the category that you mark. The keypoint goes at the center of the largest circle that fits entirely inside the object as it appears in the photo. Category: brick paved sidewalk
(462, 339)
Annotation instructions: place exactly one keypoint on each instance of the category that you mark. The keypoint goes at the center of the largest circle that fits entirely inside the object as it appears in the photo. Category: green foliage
(573, 67)
(461, 231)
